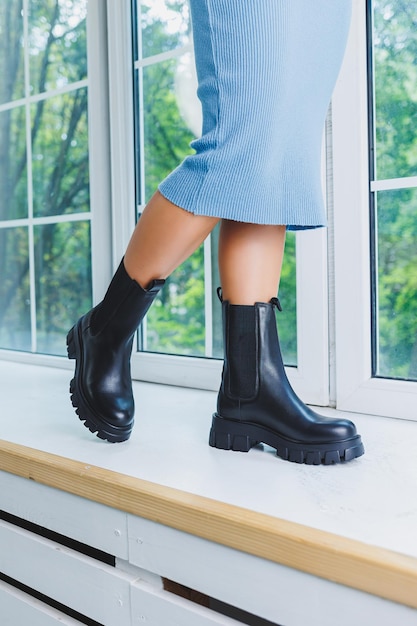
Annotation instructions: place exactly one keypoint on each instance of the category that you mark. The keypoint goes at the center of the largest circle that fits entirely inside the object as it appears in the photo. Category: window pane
(13, 171)
(63, 267)
(170, 121)
(12, 81)
(57, 43)
(14, 289)
(395, 64)
(165, 25)
(60, 154)
(394, 48)
(44, 173)
(176, 322)
(397, 284)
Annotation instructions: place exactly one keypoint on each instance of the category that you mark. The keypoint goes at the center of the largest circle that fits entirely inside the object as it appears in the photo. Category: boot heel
(71, 344)
(223, 437)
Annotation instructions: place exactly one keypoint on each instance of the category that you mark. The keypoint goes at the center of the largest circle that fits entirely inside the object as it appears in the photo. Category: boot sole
(95, 423)
(242, 436)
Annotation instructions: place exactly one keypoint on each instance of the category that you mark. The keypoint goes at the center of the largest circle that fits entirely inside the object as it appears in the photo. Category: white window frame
(356, 389)
(99, 173)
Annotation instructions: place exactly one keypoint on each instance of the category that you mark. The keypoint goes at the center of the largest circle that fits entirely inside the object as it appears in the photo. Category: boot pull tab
(219, 294)
(155, 286)
(277, 303)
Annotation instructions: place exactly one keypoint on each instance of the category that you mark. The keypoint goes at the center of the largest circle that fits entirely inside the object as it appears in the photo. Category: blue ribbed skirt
(266, 70)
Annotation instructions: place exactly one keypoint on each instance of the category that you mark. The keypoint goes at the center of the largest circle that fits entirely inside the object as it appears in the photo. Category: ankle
(145, 280)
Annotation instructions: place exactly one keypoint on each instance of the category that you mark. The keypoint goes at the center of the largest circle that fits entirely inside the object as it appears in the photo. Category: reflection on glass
(176, 322)
(62, 266)
(14, 289)
(167, 135)
(57, 43)
(60, 184)
(165, 25)
(12, 82)
(395, 63)
(60, 154)
(396, 323)
(13, 172)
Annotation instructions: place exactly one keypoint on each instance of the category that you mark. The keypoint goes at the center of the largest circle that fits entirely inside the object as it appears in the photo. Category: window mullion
(351, 216)
(208, 298)
(99, 147)
(121, 125)
(31, 242)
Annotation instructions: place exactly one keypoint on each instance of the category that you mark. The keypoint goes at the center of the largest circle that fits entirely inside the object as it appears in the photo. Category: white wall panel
(87, 586)
(271, 591)
(161, 608)
(19, 609)
(66, 514)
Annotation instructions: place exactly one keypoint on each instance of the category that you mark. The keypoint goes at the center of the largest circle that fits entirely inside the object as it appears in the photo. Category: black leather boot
(101, 344)
(257, 404)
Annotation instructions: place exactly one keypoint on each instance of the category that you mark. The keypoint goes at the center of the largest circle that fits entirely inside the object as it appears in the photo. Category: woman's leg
(256, 403)
(164, 237)
(250, 261)
(101, 341)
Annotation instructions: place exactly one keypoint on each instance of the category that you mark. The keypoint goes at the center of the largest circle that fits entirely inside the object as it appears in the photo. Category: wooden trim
(349, 562)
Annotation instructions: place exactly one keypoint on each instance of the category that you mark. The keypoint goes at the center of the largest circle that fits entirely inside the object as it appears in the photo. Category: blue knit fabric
(266, 70)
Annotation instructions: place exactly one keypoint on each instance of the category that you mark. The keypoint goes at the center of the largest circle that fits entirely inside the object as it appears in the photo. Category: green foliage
(167, 138)
(176, 322)
(163, 35)
(395, 60)
(287, 321)
(15, 289)
(59, 174)
(62, 281)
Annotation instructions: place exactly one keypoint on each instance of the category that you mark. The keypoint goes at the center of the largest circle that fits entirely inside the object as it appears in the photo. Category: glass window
(44, 182)
(15, 318)
(393, 33)
(12, 82)
(162, 25)
(186, 318)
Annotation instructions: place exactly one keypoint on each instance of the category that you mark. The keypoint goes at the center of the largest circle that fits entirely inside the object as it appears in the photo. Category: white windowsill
(370, 500)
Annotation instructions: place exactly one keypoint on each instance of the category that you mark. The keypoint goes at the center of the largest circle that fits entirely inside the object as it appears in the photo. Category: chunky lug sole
(242, 436)
(94, 422)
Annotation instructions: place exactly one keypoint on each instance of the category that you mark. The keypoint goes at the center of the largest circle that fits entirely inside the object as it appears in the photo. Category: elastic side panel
(242, 352)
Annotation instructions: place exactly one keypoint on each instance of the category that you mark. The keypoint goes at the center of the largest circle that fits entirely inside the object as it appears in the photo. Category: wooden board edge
(364, 567)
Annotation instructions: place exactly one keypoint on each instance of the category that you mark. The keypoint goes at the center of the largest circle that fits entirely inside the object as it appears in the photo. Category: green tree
(176, 322)
(59, 173)
(395, 62)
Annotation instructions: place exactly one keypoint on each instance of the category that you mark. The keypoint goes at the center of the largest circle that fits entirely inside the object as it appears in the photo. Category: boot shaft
(256, 402)
(124, 306)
